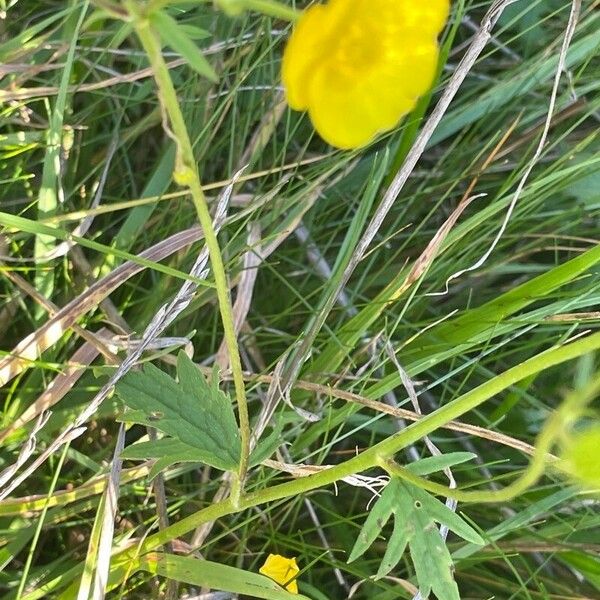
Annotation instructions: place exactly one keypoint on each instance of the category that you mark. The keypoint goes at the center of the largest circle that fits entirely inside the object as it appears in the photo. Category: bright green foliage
(196, 416)
(580, 457)
(415, 514)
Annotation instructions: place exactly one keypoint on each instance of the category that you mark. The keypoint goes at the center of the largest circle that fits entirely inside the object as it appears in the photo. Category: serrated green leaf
(380, 513)
(176, 37)
(415, 515)
(429, 554)
(440, 513)
(204, 573)
(193, 382)
(431, 464)
(191, 412)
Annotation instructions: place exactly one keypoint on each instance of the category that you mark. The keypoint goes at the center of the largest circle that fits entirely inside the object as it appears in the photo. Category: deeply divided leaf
(197, 417)
(266, 446)
(416, 513)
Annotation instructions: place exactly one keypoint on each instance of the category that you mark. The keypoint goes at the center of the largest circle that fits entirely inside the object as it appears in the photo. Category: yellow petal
(341, 112)
(281, 569)
(311, 39)
(358, 66)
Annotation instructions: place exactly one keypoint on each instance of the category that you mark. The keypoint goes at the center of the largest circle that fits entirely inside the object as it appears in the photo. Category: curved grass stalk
(569, 411)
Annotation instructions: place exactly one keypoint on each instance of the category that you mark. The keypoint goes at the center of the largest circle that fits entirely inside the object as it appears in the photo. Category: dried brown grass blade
(62, 383)
(31, 347)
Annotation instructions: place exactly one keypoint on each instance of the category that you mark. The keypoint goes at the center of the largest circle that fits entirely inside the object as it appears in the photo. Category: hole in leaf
(418, 504)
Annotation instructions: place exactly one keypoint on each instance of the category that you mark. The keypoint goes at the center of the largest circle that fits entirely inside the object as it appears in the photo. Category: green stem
(531, 475)
(186, 174)
(559, 423)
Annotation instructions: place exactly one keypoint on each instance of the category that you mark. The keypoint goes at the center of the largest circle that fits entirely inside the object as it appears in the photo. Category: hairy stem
(186, 174)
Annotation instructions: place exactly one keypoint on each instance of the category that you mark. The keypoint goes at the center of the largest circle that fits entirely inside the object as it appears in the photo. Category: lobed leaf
(165, 451)
(415, 515)
(196, 416)
(266, 446)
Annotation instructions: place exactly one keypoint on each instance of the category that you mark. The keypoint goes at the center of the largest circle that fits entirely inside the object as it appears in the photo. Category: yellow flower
(281, 569)
(358, 66)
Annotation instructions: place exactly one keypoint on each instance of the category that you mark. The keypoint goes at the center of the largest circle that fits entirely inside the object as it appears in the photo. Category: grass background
(59, 147)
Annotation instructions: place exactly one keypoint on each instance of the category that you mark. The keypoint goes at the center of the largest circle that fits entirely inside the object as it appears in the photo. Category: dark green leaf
(267, 446)
(194, 383)
(440, 513)
(395, 548)
(428, 551)
(415, 514)
(191, 413)
(162, 464)
(380, 513)
(160, 449)
(166, 452)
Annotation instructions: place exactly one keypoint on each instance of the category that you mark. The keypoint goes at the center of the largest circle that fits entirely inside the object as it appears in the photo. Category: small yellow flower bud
(281, 569)
(183, 176)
